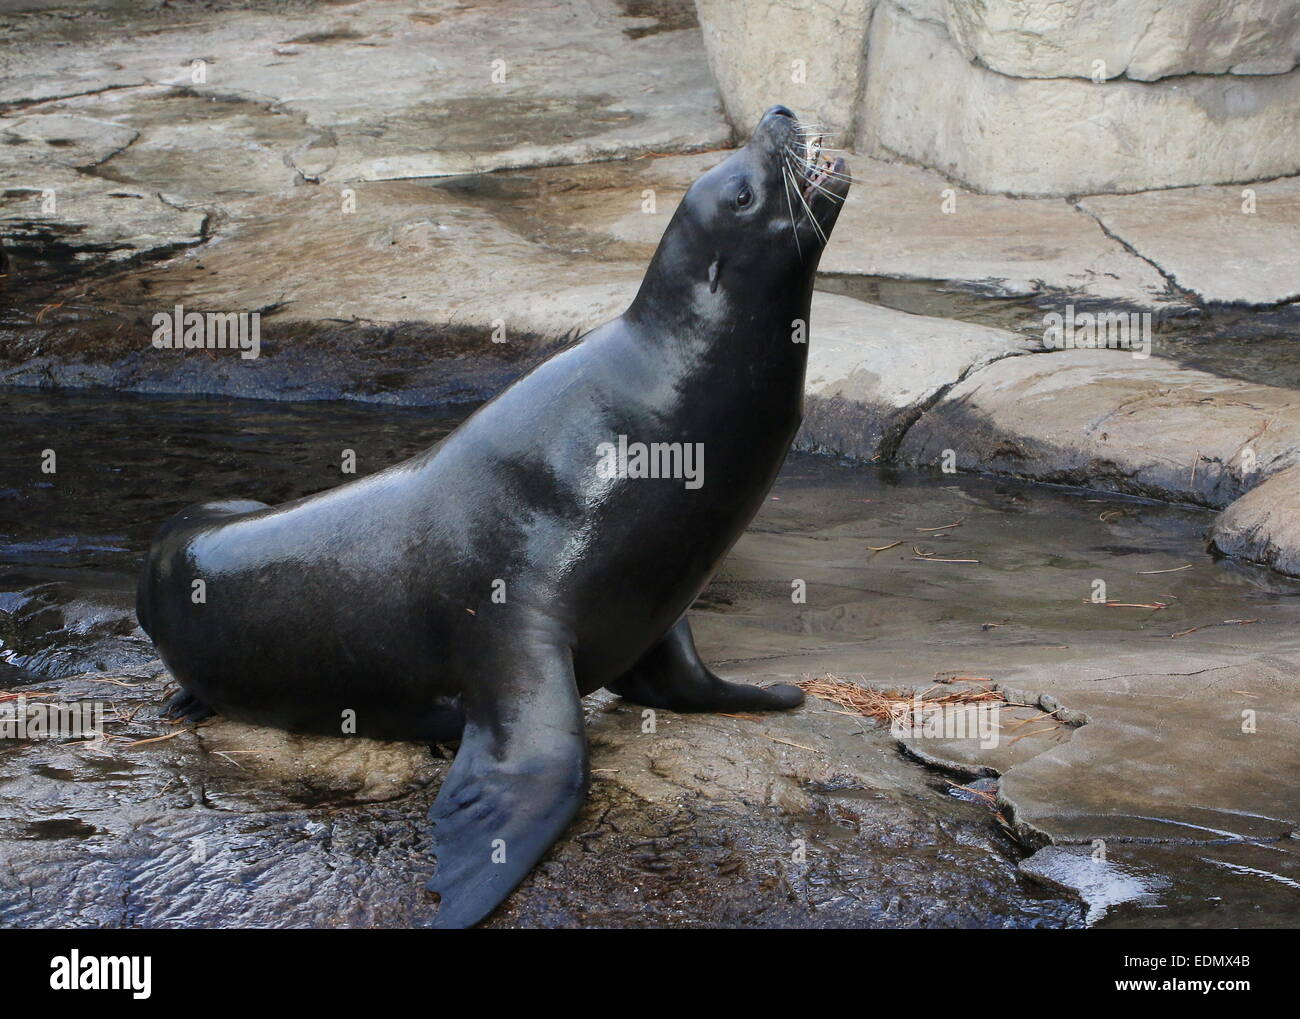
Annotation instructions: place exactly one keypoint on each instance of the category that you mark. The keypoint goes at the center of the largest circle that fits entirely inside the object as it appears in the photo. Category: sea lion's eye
(744, 196)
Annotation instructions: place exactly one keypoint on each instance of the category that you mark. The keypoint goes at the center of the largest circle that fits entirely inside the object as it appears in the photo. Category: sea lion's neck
(679, 307)
(739, 347)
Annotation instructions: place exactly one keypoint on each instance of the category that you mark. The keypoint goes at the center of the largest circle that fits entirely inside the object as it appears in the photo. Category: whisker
(794, 227)
(827, 171)
(811, 218)
(802, 157)
(829, 194)
(832, 175)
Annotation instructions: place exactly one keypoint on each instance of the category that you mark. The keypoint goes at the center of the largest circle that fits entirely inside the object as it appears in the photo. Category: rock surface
(406, 292)
(91, 221)
(1224, 244)
(53, 205)
(699, 823)
(1264, 524)
(900, 222)
(910, 223)
(1104, 419)
(1136, 136)
(872, 371)
(1140, 39)
(765, 52)
(463, 88)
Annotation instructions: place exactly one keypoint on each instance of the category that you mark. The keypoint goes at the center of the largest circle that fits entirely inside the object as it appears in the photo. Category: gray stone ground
(128, 187)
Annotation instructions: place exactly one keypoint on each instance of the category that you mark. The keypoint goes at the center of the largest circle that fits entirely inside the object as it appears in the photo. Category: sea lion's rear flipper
(671, 675)
(518, 779)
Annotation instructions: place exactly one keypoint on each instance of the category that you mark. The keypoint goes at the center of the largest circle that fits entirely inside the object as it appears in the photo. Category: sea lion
(542, 550)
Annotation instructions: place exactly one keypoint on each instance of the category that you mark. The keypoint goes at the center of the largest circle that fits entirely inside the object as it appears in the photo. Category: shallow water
(124, 464)
(895, 846)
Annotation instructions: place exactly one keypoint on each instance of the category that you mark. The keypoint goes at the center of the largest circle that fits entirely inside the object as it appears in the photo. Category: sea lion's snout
(815, 182)
(777, 130)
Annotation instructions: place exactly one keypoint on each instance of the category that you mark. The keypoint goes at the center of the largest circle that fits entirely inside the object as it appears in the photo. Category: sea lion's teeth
(812, 150)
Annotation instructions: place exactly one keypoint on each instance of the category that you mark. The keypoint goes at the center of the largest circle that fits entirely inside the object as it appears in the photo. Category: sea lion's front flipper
(185, 707)
(518, 779)
(671, 675)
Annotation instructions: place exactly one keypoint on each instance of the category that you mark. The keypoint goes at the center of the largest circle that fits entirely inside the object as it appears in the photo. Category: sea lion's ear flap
(714, 269)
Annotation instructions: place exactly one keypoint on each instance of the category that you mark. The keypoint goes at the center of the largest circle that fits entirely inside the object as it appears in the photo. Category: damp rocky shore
(418, 253)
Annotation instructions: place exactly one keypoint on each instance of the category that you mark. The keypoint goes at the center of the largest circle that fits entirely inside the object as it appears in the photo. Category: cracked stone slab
(872, 370)
(895, 225)
(1263, 526)
(408, 252)
(909, 223)
(1104, 419)
(196, 147)
(48, 205)
(1178, 785)
(1136, 770)
(1232, 245)
(1123, 135)
(397, 90)
(30, 143)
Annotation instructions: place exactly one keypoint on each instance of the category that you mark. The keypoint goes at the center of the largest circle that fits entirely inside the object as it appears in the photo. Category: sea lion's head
(780, 184)
(756, 224)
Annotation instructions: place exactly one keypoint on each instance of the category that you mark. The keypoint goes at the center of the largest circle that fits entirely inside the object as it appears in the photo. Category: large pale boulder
(1142, 39)
(1264, 524)
(766, 51)
(1107, 420)
(1067, 136)
(873, 370)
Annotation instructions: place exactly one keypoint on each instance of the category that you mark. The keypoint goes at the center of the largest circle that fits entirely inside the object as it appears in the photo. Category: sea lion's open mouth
(816, 184)
(820, 176)
(819, 170)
